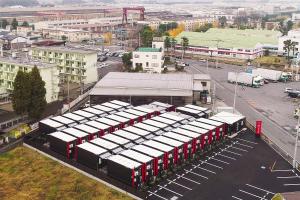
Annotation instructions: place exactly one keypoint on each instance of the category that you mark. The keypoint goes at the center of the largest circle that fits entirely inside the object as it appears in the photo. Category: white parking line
(213, 165)
(252, 194)
(227, 163)
(170, 190)
(239, 149)
(246, 141)
(291, 184)
(182, 176)
(260, 189)
(282, 170)
(190, 171)
(180, 184)
(205, 169)
(227, 157)
(288, 177)
(233, 152)
(236, 198)
(244, 145)
(152, 193)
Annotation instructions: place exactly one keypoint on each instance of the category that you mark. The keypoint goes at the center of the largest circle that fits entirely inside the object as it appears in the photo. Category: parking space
(244, 168)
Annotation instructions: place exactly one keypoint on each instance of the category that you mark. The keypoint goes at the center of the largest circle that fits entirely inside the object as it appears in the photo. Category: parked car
(288, 90)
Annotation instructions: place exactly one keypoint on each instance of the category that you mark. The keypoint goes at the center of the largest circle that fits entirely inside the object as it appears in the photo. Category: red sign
(258, 128)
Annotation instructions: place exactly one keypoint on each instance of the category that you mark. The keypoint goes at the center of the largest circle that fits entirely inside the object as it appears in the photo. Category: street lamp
(296, 142)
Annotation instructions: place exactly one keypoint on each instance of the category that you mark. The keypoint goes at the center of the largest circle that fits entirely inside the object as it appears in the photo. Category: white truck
(244, 78)
(269, 74)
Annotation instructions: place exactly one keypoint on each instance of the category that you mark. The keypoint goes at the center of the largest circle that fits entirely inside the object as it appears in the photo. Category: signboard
(258, 128)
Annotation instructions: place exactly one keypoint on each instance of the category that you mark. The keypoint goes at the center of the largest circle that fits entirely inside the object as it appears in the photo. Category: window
(147, 64)
(136, 55)
(204, 84)
(154, 56)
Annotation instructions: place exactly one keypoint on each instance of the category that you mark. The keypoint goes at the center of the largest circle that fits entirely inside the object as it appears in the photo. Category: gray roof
(140, 84)
(64, 49)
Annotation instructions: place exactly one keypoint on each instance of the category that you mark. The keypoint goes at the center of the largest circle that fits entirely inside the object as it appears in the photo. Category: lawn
(26, 174)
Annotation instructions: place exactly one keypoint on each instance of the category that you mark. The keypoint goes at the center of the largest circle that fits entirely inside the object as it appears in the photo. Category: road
(264, 104)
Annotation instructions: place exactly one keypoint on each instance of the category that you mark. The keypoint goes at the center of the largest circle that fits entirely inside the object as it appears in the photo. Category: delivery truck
(244, 78)
(271, 75)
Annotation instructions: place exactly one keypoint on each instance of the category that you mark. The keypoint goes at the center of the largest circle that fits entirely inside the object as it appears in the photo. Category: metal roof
(194, 128)
(74, 132)
(103, 108)
(168, 141)
(143, 109)
(148, 150)
(126, 135)
(202, 125)
(136, 131)
(209, 121)
(188, 133)
(227, 117)
(62, 136)
(164, 120)
(177, 136)
(136, 156)
(51, 123)
(111, 105)
(146, 127)
(155, 123)
(172, 117)
(190, 110)
(107, 121)
(104, 143)
(94, 111)
(92, 148)
(196, 107)
(121, 160)
(116, 139)
(135, 112)
(158, 145)
(62, 120)
(127, 115)
(86, 128)
(73, 116)
(98, 125)
(166, 105)
(117, 118)
(84, 114)
(121, 103)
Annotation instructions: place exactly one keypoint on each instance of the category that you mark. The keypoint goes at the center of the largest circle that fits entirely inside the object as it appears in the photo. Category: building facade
(71, 35)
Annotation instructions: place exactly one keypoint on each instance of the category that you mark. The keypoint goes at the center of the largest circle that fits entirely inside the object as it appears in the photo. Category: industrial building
(143, 88)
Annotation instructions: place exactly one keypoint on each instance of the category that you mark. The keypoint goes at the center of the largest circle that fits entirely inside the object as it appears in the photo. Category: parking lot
(245, 168)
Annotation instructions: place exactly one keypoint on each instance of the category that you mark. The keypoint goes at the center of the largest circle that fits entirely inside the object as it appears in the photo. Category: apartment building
(9, 68)
(58, 24)
(71, 35)
(78, 65)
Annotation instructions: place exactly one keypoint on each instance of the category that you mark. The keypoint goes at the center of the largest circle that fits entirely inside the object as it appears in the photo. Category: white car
(288, 90)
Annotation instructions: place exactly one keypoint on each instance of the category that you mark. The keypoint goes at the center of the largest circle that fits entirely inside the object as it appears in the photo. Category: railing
(75, 102)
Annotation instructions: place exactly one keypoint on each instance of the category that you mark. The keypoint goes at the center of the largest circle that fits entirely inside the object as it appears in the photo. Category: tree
(167, 43)
(21, 93)
(138, 68)
(293, 47)
(38, 102)
(241, 21)
(289, 25)
(14, 24)
(64, 38)
(173, 43)
(25, 23)
(222, 21)
(184, 44)
(4, 23)
(108, 37)
(287, 47)
(146, 35)
(204, 27)
(126, 59)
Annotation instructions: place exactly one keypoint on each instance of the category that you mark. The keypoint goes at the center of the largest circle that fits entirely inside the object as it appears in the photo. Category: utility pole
(235, 91)
(214, 97)
(296, 142)
(68, 87)
(182, 49)
(207, 65)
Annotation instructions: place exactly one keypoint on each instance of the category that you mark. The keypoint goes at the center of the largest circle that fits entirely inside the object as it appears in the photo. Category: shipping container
(152, 129)
(136, 139)
(125, 170)
(103, 128)
(150, 112)
(49, 126)
(210, 128)
(234, 122)
(110, 146)
(220, 130)
(91, 155)
(98, 113)
(180, 149)
(170, 122)
(204, 143)
(192, 112)
(65, 121)
(114, 125)
(167, 106)
(138, 131)
(124, 143)
(175, 117)
(89, 116)
(146, 161)
(164, 127)
(168, 152)
(105, 109)
(133, 118)
(190, 145)
(158, 109)
(207, 111)
(142, 115)
(158, 157)
(62, 143)
(80, 135)
(77, 118)
(124, 122)
(113, 106)
(193, 135)
(121, 103)
(93, 132)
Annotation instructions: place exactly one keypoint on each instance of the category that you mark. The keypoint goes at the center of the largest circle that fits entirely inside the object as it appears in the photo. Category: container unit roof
(227, 117)
(84, 114)
(177, 136)
(146, 127)
(63, 120)
(103, 108)
(116, 139)
(113, 106)
(202, 125)
(148, 150)
(108, 121)
(104, 143)
(127, 135)
(92, 148)
(209, 121)
(121, 103)
(74, 117)
(126, 162)
(158, 145)
(194, 128)
(51, 123)
(172, 117)
(190, 110)
(164, 120)
(86, 128)
(168, 141)
(97, 125)
(63, 136)
(127, 115)
(154, 107)
(137, 131)
(117, 118)
(188, 133)
(143, 109)
(94, 111)
(197, 108)
(136, 156)
(155, 123)
(165, 105)
(135, 112)
(76, 133)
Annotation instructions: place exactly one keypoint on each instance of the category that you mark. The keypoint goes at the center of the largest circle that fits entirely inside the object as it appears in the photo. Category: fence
(75, 102)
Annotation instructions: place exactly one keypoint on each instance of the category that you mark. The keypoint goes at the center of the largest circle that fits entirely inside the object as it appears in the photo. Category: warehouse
(167, 106)
(136, 139)
(137, 131)
(220, 127)
(102, 128)
(91, 155)
(49, 126)
(93, 132)
(124, 122)
(77, 118)
(146, 161)
(104, 109)
(193, 135)
(114, 125)
(65, 121)
(142, 115)
(192, 112)
(62, 143)
(133, 118)
(122, 142)
(144, 88)
(152, 129)
(96, 112)
(87, 115)
(125, 170)
(157, 156)
(204, 143)
(81, 136)
(150, 112)
(175, 117)
(210, 128)
(110, 146)
(234, 122)
(180, 150)
(205, 110)
(113, 106)
(164, 127)
(121, 103)
(170, 122)
(168, 152)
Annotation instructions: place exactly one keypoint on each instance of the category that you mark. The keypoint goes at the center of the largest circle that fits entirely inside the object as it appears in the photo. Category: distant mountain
(72, 1)
(25, 3)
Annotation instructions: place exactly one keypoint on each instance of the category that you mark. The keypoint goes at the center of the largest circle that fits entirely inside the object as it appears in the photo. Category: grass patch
(26, 174)
(273, 62)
